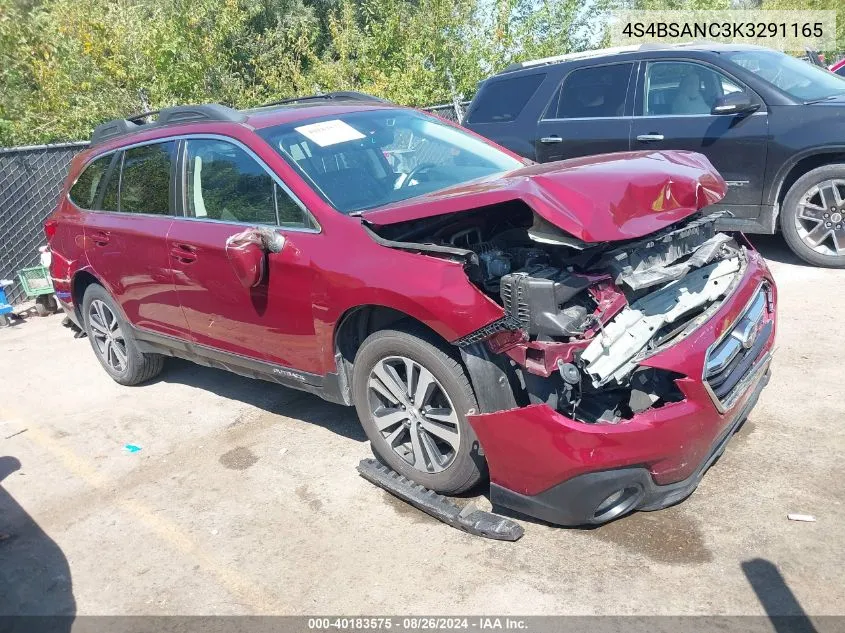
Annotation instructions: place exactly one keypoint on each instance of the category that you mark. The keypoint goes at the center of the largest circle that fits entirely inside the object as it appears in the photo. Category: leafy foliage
(66, 66)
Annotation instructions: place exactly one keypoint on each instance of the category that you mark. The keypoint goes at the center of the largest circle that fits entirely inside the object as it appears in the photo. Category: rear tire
(813, 195)
(418, 426)
(111, 339)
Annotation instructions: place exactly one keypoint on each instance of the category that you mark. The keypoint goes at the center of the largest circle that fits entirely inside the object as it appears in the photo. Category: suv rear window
(503, 100)
(84, 192)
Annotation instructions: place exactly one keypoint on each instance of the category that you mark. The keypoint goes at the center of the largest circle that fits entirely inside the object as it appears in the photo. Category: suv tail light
(50, 229)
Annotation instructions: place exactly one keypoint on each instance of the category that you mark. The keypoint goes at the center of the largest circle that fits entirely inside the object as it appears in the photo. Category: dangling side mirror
(247, 253)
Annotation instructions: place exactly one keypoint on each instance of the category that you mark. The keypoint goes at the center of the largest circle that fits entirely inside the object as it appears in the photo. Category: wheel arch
(78, 285)
(802, 164)
(357, 323)
(494, 383)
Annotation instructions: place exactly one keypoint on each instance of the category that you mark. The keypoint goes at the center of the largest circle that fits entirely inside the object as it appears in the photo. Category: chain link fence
(30, 181)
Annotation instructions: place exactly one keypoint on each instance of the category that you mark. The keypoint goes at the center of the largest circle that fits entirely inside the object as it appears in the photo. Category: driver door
(225, 190)
(672, 111)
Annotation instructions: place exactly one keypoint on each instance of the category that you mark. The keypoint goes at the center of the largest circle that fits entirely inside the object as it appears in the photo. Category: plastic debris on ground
(469, 519)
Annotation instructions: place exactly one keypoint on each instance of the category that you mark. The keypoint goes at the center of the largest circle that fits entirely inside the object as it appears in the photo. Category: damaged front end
(589, 324)
(578, 318)
(640, 353)
(596, 262)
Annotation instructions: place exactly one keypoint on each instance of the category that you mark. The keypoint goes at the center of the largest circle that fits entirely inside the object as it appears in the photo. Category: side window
(145, 179)
(226, 183)
(596, 92)
(502, 100)
(84, 191)
(683, 88)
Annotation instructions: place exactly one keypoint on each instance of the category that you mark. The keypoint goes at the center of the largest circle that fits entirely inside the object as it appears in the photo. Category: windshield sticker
(328, 133)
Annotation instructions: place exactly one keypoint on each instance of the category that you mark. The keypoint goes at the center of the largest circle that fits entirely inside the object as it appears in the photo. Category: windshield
(362, 160)
(797, 78)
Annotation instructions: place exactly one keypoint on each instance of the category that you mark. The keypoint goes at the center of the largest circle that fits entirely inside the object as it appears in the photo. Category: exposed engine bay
(580, 317)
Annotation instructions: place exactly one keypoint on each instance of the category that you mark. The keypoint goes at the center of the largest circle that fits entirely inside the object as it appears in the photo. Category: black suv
(773, 125)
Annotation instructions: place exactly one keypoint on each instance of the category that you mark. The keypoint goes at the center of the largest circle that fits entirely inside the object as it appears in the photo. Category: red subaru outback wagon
(577, 332)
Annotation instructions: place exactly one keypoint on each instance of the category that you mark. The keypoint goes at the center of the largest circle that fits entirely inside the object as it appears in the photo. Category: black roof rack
(165, 116)
(342, 95)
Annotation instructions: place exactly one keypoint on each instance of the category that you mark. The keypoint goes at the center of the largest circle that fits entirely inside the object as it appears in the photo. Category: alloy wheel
(107, 335)
(413, 413)
(820, 220)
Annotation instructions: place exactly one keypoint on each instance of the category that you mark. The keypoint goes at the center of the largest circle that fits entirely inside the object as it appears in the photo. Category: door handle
(185, 253)
(554, 138)
(649, 138)
(100, 238)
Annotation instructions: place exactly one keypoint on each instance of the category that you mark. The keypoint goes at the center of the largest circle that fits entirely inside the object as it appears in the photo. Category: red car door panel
(126, 241)
(272, 321)
(227, 190)
(129, 253)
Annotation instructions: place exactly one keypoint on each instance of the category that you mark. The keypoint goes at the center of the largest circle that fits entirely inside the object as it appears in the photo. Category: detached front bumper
(546, 465)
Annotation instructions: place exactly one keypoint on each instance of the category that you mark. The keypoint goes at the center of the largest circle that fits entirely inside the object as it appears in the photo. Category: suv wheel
(112, 342)
(813, 218)
(412, 398)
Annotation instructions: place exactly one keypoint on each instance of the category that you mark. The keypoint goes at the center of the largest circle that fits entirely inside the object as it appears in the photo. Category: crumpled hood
(596, 199)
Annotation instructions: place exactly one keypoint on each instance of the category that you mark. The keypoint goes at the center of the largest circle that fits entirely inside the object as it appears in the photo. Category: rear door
(226, 189)
(126, 236)
(590, 113)
(673, 111)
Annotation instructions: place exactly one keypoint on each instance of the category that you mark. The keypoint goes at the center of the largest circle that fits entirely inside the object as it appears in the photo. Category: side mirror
(734, 103)
(247, 252)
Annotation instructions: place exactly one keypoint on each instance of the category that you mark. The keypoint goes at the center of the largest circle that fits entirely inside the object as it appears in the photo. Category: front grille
(731, 360)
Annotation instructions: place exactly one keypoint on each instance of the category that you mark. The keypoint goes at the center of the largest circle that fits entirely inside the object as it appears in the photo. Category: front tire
(112, 342)
(412, 398)
(813, 216)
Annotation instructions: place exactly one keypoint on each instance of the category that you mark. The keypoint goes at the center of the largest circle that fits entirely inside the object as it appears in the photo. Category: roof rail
(599, 52)
(341, 95)
(569, 57)
(165, 116)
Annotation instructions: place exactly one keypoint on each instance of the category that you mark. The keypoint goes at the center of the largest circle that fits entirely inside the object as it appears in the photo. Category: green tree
(66, 66)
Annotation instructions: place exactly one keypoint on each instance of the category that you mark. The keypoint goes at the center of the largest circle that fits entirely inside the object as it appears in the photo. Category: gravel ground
(244, 499)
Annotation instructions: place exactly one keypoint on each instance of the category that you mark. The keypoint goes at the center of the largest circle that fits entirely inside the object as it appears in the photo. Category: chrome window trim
(591, 118)
(691, 116)
(756, 370)
(208, 136)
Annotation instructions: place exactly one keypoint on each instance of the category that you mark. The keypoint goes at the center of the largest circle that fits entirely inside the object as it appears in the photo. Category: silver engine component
(611, 355)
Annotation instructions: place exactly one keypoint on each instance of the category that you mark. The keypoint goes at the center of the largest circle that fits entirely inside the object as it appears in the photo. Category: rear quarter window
(503, 100)
(84, 192)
